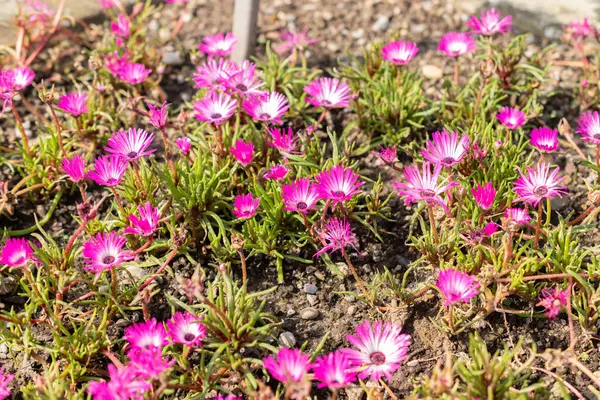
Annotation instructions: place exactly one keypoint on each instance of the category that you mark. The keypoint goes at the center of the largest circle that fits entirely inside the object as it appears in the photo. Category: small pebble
(287, 339)
(290, 312)
(309, 313)
(382, 24)
(351, 310)
(310, 288)
(412, 363)
(312, 299)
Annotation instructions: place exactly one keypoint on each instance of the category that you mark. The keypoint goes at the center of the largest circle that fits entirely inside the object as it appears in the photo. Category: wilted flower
(484, 195)
(213, 73)
(74, 168)
(245, 206)
(454, 44)
(476, 236)
(446, 148)
(294, 41)
(244, 80)
(399, 53)
(277, 172)
(7, 88)
(519, 216)
(291, 365)
(579, 29)
(456, 286)
(133, 73)
(120, 28)
(512, 118)
(380, 349)
(553, 300)
(23, 77)
(268, 107)
(300, 196)
(215, 108)
(424, 185)
(146, 224)
(243, 152)
(219, 45)
(389, 155)
(158, 115)
(334, 370)
(544, 139)
(286, 141)
(328, 93)
(337, 236)
(130, 145)
(539, 184)
(16, 253)
(185, 328)
(338, 183)
(589, 127)
(104, 251)
(146, 335)
(490, 23)
(115, 63)
(184, 144)
(123, 383)
(108, 170)
(74, 103)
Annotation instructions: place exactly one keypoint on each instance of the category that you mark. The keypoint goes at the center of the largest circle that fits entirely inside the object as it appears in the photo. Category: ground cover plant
(183, 220)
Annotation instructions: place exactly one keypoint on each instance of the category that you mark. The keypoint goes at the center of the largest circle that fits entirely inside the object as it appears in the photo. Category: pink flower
(16, 253)
(130, 145)
(544, 139)
(489, 229)
(185, 328)
(553, 300)
(456, 286)
(446, 149)
(133, 73)
(294, 41)
(328, 93)
(518, 216)
(23, 77)
(476, 236)
(337, 236)
(389, 155)
(424, 185)
(107, 4)
(146, 224)
(284, 141)
(243, 152)
(5, 379)
(268, 107)
(103, 252)
(108, 170)
(399, 53)
(115, 63)
(300, 196)
(245, 206)
(146, 335)
(579, 29)
(277, 172)
(490, 23)
(213, 73)
(120, 28)
(228, 397)
(454, 44)
(334, 370)
(215, 108)
(219, 45)
(184, 144)
(74, 103)
(74, 168)
(589, 127)
(290, 366)
(149, 363)
(244, 80)
(379, 349)
(539, 184)
(37, 11)
(512, 118)
(124, 383)
(158, 115)
(338, 183)
(484, 195)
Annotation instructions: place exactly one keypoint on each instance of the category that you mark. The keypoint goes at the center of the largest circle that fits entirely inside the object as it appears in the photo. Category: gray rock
(358, 33)
(312, 299)
(172, 58)
(381, 24)
(290, 312)
(432, 72)
(351, 310)
(7, 284)
(309, 313)
(310, 288)
(287, 339)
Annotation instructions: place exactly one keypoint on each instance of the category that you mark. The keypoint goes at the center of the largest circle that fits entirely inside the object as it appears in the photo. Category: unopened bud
(94, 63)
(487, 68)
(182, 117)
(237, 241)
(46, 96)
(563, 127)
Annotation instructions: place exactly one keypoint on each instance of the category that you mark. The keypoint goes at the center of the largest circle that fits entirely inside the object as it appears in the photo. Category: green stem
(41, 223)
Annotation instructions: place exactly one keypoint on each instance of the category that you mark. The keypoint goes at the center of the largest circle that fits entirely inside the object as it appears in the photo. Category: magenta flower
(589, 127)
(184, 144)
(146, 335)
(133, 73)
(5, 379)
(476, 236)
(456, 286)
(158, 115)
(337, 236)
(294, 41)
(23, 77)
(380, 349)
(277, 172)
(185, 328)
(446, 148)
(243, 152)
(484, 195)
(399, 53)
(454, 44)
(338, 184)
(228, 397)
(74, 168)
(286, 141)
(16, 253)
(148, 363)
(388, 155)
(107, 4)
(490, 23)
(290, 366)
(37, 11)
(245, 206)
(213, 73)
(215, 108)
(130, 145)
(300, 196)
(553, 300)
(74, 103)
(328, 93)
(244, 80)
(146, 224)
(120, 28)
(104, 251)
(518, 216)
(268, 107)
(219, 45)
(124, 383)
(424, 185)
(489, 229)
(579, 29)
(544, 139)
(512, 118)
(115, 63)
(108, 170)
(539, 184)
(334, 370)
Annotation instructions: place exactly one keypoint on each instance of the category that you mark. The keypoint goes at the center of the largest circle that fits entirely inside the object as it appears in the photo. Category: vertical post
(245, 17)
